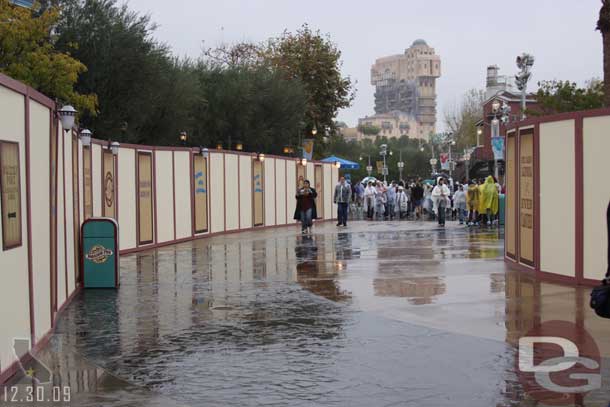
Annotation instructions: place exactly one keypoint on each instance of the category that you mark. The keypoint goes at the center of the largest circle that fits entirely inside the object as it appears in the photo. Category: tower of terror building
(406, 83)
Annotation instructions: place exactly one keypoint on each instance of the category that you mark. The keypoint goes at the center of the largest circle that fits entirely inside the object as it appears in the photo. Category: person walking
(459, 203)
(402, 203)
(417, 195)
(369, 200)
(440, 198)
(489, 199)
(472, 203)
(380, 200)
(391, 198)
(306, 210)
(343, 196)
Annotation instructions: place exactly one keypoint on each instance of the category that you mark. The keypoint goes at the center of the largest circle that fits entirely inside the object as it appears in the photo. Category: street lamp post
(384, 153)
(369, 167)
(501, 113)
(433, 162)
(401, 166)
(524, 63)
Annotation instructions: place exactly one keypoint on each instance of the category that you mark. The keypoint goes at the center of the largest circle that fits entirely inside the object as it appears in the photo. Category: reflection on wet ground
(379, 314)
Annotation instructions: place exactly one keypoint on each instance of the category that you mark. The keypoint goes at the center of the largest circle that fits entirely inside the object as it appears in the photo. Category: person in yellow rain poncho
(489, 199)
(472, 203)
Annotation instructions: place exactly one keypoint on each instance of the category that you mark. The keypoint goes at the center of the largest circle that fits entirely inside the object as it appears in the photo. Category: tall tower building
(407, 83)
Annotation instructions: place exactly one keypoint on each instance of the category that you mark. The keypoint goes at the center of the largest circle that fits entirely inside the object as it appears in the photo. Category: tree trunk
(603, 25)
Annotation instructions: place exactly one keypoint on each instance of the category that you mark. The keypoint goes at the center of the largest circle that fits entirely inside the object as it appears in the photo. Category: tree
(27, 54)
(565, 96)
(462, 118)
(314, 60)
(144, 92)
(603, 25)
(253, 105)
(369, 129)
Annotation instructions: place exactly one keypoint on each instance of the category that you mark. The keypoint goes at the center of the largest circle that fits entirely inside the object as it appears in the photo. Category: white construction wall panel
(280, 193)
(183, 194)
(329, 188)
(127, 198)
(14, 289)
(269, 191)
(231, 191)
(216, 191)
(40, 123)
(245, 191)
(596, 144)
(165, 196)
(96, 172)
(291, 176)
(557, 223)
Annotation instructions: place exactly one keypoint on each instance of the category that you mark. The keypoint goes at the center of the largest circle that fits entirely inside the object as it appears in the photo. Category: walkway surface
(376, 314)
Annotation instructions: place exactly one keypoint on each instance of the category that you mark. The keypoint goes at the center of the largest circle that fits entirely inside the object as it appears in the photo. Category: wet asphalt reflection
(378, 314)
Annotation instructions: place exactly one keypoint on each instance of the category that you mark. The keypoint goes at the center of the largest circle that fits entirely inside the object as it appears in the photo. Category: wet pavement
(376, 314)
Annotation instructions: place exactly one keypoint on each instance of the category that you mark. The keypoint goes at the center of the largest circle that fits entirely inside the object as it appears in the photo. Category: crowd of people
(473, 203)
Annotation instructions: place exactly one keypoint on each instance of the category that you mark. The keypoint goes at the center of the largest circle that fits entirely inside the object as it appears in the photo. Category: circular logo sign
(558, 362)
(109, 190)
(98, 254)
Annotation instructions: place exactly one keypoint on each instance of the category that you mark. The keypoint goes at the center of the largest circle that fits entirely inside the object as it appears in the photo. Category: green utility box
(100, 255)
(501, 209)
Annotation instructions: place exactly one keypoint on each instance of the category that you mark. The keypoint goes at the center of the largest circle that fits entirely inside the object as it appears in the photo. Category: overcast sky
(469, 35)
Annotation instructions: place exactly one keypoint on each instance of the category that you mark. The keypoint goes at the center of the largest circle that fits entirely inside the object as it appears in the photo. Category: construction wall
(51, 183)
(556, 197)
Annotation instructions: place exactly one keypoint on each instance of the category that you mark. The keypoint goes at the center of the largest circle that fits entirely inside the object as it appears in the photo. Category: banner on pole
(497, 145)
(444, 161)
(308, 149)
(380, 167)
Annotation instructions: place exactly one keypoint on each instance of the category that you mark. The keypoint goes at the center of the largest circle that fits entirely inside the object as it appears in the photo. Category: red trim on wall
(238, 192)
(137, 187)
(63, 172)
(536, 169)
(154, 184)
(29, 212)
(275, 189)
(174, 190)
(115, 161)
(286, 188)
(77, 279)
(53, 215)
(224, 189)
(192, 186)
(579, 199)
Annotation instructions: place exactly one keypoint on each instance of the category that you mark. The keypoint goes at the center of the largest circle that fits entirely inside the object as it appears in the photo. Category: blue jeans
(306, 220)
(442, 211)
(342, 213)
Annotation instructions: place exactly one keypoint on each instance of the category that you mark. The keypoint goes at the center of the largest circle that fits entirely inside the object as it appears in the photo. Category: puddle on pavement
(364, 317)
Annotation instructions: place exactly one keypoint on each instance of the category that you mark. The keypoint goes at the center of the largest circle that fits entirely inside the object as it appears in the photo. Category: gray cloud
(468, 35)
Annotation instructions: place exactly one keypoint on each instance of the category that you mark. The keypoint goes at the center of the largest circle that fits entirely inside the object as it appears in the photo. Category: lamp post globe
(85, 137)
(67, 115)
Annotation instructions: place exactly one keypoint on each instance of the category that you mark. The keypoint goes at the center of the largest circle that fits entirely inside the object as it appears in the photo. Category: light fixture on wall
(303, 162)
(261, 157)
(288, 150)
(183, 137)
(218, 146)
(67, 115)
(314, 131)
(85, 137)
(337, 164)
(203, 151)
(239, 146)
(114, 147)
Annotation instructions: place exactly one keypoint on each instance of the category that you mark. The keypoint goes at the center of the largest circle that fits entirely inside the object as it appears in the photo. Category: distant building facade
(393, 124)
(406, 83)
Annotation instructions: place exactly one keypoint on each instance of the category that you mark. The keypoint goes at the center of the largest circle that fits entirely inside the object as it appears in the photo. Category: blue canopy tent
(345, 164)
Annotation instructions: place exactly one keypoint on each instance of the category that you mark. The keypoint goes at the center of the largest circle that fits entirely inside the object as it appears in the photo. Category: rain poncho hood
(489, 198)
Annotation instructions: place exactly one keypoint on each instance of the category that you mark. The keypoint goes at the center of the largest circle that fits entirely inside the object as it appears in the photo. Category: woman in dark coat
(306, 206)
